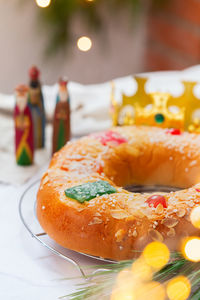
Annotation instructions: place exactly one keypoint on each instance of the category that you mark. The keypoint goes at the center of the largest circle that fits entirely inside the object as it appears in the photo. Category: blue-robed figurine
(36, 103)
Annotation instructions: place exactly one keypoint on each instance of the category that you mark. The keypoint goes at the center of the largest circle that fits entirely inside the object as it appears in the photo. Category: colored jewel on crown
(157, 109)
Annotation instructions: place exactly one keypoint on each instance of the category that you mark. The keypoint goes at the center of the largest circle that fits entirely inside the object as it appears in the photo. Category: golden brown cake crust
(114, 226)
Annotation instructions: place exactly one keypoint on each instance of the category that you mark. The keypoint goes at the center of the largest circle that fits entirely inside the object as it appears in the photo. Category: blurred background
(125, 37)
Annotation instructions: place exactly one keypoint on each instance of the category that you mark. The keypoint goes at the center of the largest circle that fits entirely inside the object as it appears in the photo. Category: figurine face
(63, 94)
(21, 101)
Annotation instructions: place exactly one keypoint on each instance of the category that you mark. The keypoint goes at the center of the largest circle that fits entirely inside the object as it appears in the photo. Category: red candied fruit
(154, 200)
(198, 190)
(110, 137)
(174, 131)
(100, 169)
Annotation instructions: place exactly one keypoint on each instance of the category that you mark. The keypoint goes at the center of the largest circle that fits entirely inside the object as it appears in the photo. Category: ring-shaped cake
(82, 203)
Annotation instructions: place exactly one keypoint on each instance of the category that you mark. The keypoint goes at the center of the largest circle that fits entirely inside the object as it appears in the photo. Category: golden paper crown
(157, 109)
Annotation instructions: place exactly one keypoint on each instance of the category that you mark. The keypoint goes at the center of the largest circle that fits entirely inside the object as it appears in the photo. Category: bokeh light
(123, 293)
(124, 276)
(156, 255)
(84, 43)
(195, 217)
(141, 270)
(43, 3)
(191, 249)
(152, 291)
(178, 288)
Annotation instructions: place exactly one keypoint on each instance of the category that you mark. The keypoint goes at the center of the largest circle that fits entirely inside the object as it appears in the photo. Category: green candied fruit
(90, 190)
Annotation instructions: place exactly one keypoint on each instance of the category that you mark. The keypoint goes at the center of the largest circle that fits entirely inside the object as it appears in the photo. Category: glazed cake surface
(116, 225)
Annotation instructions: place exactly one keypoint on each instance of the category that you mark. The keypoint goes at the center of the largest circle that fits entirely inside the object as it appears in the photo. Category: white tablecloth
(89, 106)
(28, 270)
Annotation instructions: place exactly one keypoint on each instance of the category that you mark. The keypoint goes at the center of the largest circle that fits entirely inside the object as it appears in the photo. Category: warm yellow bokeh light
(141, 270)
(195, 217)
(124, 276)
(123, 294)
(126, 283)
(191, 249)
(43, 3)
(152, 291)
(179, 288)
(84, 43)
(156, 255)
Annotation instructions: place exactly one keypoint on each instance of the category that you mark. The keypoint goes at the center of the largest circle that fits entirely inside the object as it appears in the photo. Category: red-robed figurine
(24, 140)
(61, 122)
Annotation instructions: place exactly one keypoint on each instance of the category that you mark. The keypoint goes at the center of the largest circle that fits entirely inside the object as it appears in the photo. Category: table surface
(27, 269)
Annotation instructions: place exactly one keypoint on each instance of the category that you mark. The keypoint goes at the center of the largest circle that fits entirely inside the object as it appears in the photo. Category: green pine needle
(100, 285)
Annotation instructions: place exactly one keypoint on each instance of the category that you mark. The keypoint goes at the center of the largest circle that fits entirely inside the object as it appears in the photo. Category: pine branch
(100, 285)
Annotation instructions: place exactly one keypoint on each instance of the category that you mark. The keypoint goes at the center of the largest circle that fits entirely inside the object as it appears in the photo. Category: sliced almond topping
(138, 214)
(97, 214)
(45, 180)
(159, 209)
(170, 211)
(188, 218)
(79, 209)
(135, 233)
(119, 235)
(95, 221)
(170, 222)
(155, 235)
(119, 214)
(171, 232)
(181, 212)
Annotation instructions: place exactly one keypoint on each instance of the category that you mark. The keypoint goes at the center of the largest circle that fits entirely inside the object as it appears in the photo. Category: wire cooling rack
(27, 211)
